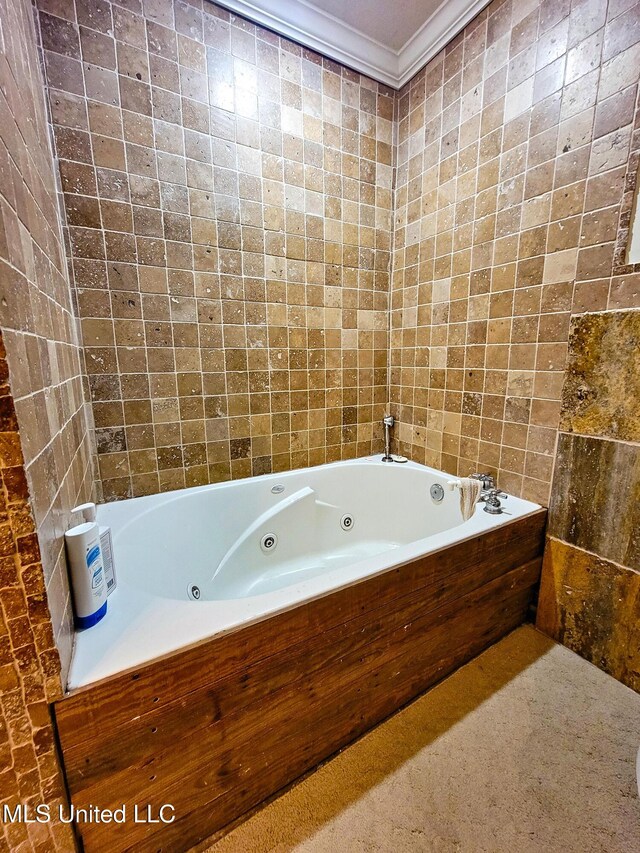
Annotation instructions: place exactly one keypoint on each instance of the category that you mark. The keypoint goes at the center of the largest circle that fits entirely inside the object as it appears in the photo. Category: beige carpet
(527, 748)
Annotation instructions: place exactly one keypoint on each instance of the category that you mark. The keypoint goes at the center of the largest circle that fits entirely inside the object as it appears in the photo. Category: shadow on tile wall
(228, 200)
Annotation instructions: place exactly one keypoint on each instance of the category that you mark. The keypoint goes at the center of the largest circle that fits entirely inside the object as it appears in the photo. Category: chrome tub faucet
(388, 422)
(487, 480)
(491, 494)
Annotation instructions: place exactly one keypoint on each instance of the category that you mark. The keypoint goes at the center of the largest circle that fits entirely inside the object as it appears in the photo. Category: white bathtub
(328, 527)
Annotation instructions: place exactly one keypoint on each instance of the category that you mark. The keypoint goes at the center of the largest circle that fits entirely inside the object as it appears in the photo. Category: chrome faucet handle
(492, 495)
(487, 480)
(492, 502)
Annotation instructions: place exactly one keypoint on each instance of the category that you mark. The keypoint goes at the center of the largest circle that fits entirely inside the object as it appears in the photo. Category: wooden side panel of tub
(216, 729)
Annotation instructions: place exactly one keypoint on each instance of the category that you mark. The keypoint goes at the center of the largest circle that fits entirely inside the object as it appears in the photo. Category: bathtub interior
(210, 537)
(252, 537)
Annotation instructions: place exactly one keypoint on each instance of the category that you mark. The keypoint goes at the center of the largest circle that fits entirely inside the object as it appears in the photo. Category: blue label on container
(94, 564)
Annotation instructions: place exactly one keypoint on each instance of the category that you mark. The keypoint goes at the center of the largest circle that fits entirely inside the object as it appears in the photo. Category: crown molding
(305, 23)
(450, 18)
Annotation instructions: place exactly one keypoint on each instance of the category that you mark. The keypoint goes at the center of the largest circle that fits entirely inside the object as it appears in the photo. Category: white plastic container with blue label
(86, 569)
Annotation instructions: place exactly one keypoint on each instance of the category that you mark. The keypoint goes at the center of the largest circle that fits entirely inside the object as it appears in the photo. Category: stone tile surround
(228, 200)
(240, 218)
(516, 166)
(29, 658)
(45, 461)
(36, 313)
(590, 589)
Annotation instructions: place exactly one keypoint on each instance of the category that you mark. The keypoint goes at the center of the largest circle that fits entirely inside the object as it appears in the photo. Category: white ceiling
(390, 23)
(389, 40)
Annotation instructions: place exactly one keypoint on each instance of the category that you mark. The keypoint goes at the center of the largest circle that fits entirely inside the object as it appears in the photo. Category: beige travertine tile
(228, 201)
(37, 315)
(44, 451)
(265, 247)
(527, 200)
(228, 208)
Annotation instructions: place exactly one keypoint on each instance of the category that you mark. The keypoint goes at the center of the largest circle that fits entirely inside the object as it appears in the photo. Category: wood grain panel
(243, 715)
(495, 552)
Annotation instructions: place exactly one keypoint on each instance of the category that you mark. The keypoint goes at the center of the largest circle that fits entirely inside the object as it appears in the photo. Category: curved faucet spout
(388, 421)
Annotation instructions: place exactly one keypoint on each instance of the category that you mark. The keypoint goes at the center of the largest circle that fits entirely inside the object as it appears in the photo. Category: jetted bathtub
(198, 562)
(261, 625)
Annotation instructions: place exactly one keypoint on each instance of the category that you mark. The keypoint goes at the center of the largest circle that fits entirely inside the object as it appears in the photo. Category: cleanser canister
(86, 569)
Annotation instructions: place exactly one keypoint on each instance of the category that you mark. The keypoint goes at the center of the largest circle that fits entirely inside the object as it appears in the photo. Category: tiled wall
(42, 447)
(228, 199)
(590, 592)
(514, 186)
(36, 316)
(44, 457)
(29, 662)
(227, 204)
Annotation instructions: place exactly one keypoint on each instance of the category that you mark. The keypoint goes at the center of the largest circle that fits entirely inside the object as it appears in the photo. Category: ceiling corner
(438, 30)
(309, 25)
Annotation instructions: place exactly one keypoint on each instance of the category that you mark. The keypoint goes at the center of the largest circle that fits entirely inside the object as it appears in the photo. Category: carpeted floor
(527, 748)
